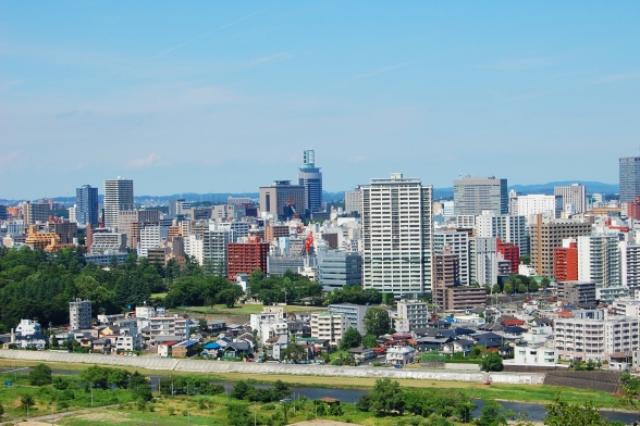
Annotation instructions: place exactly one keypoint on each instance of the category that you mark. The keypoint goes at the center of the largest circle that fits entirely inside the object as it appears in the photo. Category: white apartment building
(193, 248)
(79, 314)
(168, 326)
(594, 335)
(599, 260)
(108, 242)
(458, 244)
(533, 204)
(149, 239)
(538, 355)
(626, 306)
(269, 323)
(214, 251)
(629, 264)
(410, 315)
(397, 233)
(486, 261)
(509, 228)
(353, 313)
(328, 326)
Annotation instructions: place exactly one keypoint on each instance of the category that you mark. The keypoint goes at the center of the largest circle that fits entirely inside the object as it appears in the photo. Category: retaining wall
(219, 367)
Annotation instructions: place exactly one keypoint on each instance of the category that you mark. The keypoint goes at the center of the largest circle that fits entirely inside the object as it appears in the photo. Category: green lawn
(244, 310)
(49, 400)
(159, 296)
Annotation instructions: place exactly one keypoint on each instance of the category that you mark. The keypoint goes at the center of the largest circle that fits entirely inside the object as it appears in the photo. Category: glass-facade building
(629, 178)
(87, 205)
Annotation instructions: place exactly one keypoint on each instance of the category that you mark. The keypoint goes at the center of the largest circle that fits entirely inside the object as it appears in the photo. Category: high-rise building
(486, 261)
(509, 252)
(353, 201)
(214, 251)
(630, 265)
(397, 230)
(178, 208)
(310, 178)
(509, 228)
(565, 262)
(574, 198)
(534, 204)
(149, 239)
(339, 268)
(246, 257)
(473, 195)
(457, 242)
(282, 200)
(629, 178)
(118, 196)
(446, 292)
(87, 205)
(35, 212)
(599, 259)
(547, 234)
(80, 314)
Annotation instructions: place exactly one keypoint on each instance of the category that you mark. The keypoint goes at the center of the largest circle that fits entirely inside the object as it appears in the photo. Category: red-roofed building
(565, 264)
(244, 258)
(509, 252)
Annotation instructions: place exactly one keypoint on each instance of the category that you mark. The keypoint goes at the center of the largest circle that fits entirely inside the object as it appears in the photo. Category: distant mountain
(438, 194)
(541, 188)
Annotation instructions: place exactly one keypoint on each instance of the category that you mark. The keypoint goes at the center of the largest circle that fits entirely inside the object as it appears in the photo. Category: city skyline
(180, 98)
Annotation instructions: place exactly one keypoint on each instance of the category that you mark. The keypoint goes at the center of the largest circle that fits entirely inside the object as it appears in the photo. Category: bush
(40, 375)
(492, 362)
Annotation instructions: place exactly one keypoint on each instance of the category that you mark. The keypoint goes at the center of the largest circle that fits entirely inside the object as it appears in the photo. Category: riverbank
(540, 394)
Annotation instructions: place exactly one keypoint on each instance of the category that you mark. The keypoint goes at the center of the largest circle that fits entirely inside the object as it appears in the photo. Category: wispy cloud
(518, 64)
(203, 35)
(617, 77)
(268, 59)
(8, 159)
(148, 161)
(380, 71)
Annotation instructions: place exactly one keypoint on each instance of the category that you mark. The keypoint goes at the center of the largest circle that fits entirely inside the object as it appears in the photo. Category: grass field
(242, 310)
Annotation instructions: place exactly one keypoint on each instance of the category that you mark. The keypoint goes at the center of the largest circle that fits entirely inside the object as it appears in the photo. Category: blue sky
(210, 97)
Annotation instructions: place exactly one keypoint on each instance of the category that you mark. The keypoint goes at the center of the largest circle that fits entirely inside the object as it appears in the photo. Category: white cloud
(148, 161)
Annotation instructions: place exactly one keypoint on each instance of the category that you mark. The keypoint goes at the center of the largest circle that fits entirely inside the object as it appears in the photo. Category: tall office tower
(353, 201)
(629, 178)
(457, 242)
(599, 260)
(509, 228)
(118, 196)
(79, 314)
(282, 200)
(87, 205)
(3, 212)
(397, 230)
(34, 212)
(574, 198)
(547, 234)
(310, 178)
(472, 196)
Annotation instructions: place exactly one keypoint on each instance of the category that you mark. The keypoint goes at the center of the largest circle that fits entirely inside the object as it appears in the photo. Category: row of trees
(521, 284)
(34, 284)
(290, 288)
(201, 290)
(387, 398)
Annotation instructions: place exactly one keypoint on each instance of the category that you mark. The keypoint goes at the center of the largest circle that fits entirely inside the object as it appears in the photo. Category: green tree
(630, 388)
(1, 411)
(386, 398)
(491, 362)
(377, 321)
(40, 375)
(27, 401)
(369, 341)
(508, 287)
(561, 413)
(350, 339)
(492, 414)
(238, 414)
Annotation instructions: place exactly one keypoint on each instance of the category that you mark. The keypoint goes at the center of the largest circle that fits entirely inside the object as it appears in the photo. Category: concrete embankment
(222, 367)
